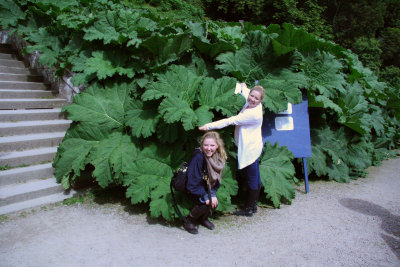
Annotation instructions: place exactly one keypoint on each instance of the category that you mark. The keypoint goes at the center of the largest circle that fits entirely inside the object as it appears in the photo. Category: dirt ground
(355, 224)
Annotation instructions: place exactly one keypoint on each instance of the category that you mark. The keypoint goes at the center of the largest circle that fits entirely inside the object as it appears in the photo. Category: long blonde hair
(221, 148)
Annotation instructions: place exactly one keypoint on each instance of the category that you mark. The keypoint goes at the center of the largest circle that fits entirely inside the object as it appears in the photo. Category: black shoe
(206, 223)
(254, 208)
(251, 203)
(247, 211)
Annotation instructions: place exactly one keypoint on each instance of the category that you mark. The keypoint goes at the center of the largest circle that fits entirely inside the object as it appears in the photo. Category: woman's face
(253, 99)
(209, 146)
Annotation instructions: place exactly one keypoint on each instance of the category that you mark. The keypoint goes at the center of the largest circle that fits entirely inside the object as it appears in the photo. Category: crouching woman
(205, 173)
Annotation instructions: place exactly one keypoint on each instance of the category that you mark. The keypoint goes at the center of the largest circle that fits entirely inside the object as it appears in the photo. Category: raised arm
(241, 88)
(247, 118)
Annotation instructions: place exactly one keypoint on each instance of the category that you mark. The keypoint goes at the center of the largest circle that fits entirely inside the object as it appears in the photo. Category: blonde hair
(221, 148)
(259, 89)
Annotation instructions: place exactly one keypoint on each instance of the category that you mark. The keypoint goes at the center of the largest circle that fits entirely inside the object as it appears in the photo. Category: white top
(248, 123)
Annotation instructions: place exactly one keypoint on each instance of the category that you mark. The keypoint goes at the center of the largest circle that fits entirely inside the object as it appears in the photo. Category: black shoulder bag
(179, 181)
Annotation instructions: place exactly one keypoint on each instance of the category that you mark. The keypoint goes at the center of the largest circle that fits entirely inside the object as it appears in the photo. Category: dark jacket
(195, 183)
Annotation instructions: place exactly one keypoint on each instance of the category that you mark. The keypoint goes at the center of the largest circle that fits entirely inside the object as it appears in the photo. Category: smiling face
(209, 147)
(254, 99)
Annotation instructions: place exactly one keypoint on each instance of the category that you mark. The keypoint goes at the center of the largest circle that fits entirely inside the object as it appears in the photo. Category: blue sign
(290, 128)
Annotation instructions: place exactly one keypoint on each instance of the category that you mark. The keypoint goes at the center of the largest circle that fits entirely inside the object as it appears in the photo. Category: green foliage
(10, 13)
(305, 14)
(359, 18)
(369, 51)
(328, 154)
(390, 46)
(277, 173)
(354, 110)
(4, 167)
(391, 74)
(152, 79)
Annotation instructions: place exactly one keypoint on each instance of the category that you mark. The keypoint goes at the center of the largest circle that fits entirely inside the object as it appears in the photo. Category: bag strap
(175, 204)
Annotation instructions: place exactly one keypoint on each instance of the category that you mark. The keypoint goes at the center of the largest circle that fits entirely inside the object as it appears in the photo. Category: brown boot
(194, 215)
(205, 222)
(190, 227)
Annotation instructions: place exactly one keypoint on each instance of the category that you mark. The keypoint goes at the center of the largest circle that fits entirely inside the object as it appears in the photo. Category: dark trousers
(252, 173)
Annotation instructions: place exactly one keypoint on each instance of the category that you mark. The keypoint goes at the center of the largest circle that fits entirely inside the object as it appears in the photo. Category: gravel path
(355, 224)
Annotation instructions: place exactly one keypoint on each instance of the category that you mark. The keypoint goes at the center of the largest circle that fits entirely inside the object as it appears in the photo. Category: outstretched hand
(203, 128)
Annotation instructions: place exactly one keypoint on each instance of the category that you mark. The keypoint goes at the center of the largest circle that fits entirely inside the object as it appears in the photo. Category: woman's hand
(203, 128)
(214, 202)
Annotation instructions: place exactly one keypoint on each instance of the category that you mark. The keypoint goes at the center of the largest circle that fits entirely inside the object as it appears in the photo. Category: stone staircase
(31, 127)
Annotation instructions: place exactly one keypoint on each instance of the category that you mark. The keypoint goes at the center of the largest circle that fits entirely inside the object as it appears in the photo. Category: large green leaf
(178, 82)
(355, 109)
(179, 88)
(142, 118)
(252, 62)
(289, 38)
(283, 88)
(109, 63)
(225, 38)
(219, 95)
(71, 158)
(120, 27)
(143, 176)
(161, 202)
(105, 28)
(167, 49)
(277, 173)
(105, 107)
(72, 153)
(229, 187)
(324, 74)
(329, 153)
(111, 158)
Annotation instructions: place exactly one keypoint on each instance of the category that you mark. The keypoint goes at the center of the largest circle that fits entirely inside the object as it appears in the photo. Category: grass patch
(3, 218)
(5, 167)
(48, 97)
(80, 199)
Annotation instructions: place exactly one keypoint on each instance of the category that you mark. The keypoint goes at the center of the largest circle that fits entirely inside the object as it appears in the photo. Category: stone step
(20, 77)
(8, 56)
(30, 127)
(12, 63)
(16, 93)
(26, 103)
(24, 174)
(27, 157)
(11, 70)
(30, 141)
(14, 193)
(31, 115)
(36, 202)
(23, 85)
